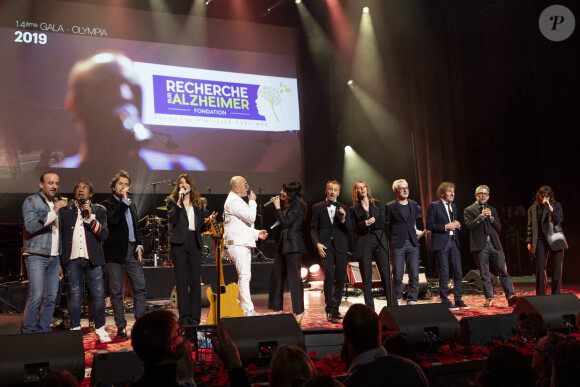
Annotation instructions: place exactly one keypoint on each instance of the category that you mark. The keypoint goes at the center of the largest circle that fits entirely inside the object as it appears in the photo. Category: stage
(445, 362)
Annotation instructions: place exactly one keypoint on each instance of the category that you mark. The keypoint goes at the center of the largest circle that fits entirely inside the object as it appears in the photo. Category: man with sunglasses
(240, 236)
(483, 223)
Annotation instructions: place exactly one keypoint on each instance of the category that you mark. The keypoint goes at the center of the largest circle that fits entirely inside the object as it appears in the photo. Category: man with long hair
(123, 251)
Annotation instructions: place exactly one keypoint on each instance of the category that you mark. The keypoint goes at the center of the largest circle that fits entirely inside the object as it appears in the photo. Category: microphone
(84, 213)
(182, 197)
(57, 196)
(270, 202)
(276, 224)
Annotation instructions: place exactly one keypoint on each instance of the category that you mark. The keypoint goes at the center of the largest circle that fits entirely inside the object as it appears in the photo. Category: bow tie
(328, 204)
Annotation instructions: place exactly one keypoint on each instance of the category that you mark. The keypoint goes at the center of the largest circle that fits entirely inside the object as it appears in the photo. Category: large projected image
(87, 106)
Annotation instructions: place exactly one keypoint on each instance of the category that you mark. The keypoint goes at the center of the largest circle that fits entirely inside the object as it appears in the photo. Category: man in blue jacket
(41, 249)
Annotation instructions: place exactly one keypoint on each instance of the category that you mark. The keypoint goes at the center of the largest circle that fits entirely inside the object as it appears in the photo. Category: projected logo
(216, 99)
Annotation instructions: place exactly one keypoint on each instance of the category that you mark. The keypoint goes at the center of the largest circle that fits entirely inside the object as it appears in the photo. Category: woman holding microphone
(291, 248)
(186, 226)
(545, 236)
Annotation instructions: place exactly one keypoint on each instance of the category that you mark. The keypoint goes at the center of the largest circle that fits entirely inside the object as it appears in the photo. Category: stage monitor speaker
(29, 358)
(484, 329)
(547, 313)
(422, 323)
(355, 278)
(323, 341)
(159, 281)
(473, 278)
(116, 368)
(10, 324)
(204, 299)
(258, 337)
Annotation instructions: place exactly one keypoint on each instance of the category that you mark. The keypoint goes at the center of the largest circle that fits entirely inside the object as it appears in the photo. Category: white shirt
(191, 218)
(448, 214)
(331, 212)
(79, 247)
(52, 217)
(239, 218)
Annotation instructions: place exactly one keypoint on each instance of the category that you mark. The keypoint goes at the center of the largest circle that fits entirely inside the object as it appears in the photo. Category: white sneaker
(399, 301)
(411, 302)
(102, 335)
(76, 329)
(250, 313)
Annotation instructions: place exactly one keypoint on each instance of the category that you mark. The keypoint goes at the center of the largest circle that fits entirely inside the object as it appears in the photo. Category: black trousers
(542, 250)
(334, 266)
(187, 268)
(286, 266)
(378, 251)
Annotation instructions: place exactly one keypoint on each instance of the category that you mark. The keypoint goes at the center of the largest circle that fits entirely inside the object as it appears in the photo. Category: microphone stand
(156, 224)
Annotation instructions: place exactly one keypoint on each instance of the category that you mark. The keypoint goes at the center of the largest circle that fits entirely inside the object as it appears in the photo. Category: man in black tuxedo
(444, 227)
(401, 217)
(123, 251)
(483, 223)
(329, 231)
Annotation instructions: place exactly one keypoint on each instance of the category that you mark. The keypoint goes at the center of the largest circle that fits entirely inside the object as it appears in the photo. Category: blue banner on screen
(188, 97)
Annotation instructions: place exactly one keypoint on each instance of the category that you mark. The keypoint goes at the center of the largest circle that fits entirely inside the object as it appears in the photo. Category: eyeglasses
(403, 189)
(482, 194)
(180, 333)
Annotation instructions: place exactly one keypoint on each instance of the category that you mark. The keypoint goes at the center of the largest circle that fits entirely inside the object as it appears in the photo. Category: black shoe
(338, 316)
(460, 304)
(331, 318)
(122, 333)
(512, 301)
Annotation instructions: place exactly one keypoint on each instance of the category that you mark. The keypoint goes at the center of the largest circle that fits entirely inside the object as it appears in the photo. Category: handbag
(556, 236)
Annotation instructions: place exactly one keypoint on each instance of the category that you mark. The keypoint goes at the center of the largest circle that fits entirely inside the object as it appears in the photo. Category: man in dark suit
(401, 216)
(123, 251)
(329, 231)
(444, 227)
(483, 223)
(83, 227)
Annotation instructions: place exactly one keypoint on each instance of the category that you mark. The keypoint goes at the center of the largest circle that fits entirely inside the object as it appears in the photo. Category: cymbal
(155, 218)
(162, 208)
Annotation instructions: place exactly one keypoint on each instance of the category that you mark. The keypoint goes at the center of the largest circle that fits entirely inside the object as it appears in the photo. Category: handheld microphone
(182, 197)
(270, 202)
(84, 213)
(57, 196)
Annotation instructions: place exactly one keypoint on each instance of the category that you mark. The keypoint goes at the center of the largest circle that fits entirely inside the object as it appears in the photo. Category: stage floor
(315, 317)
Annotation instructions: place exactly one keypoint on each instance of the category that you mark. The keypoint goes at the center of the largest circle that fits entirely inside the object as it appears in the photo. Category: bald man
(240, 236)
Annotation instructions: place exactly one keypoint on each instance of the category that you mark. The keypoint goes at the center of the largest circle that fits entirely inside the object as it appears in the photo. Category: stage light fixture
(314, 268)
(304, 274)
(348, 149)
(350, 82)
(366, 10)
(298, 1)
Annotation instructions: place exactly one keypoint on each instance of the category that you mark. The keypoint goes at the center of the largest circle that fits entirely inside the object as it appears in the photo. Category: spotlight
(304, 274)
(366, 10)
(350, 82)
(314, 268)
(348, 148)
(315, 273)
(298, 1)
(207, 2)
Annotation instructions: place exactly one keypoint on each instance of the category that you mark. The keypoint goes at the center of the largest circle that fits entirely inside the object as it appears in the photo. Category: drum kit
(156, 241)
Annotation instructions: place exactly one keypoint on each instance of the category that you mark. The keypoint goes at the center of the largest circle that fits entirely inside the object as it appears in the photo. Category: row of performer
(86, 239)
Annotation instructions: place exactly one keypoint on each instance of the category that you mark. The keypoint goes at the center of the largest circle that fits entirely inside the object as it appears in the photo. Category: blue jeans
(43, 273)
(134, 270)
(411, 255)
(497, 258)
(76, 286)
(449, 254)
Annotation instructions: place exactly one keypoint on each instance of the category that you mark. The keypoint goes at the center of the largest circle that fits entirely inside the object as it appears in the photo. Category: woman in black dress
(290, 250)
(545, 236)
(186, 226)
